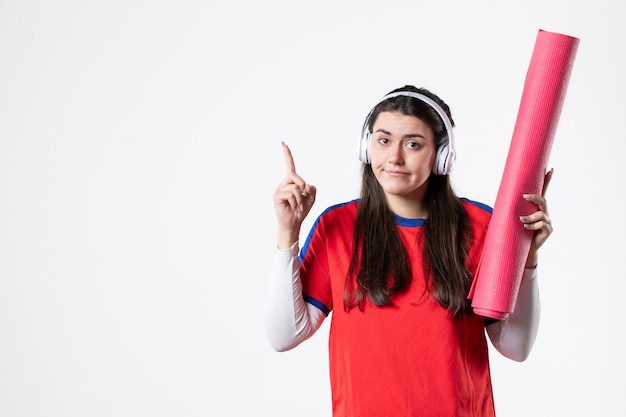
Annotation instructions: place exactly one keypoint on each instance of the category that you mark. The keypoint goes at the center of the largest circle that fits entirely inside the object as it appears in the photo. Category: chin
(404, 191)
(399, 192)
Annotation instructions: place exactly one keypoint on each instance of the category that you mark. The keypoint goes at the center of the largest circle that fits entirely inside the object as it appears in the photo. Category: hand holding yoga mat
(507, 243)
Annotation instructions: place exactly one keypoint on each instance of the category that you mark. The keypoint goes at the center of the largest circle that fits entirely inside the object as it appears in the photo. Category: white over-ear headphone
(444, 160)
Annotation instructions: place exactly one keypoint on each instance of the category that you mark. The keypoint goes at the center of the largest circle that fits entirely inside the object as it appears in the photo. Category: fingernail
(527, 196)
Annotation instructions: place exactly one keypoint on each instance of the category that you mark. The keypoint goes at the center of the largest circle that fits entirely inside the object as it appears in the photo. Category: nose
(396, 155)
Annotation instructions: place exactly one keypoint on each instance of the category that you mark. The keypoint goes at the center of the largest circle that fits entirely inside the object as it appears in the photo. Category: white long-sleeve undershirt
(515, 336)
(289, 320)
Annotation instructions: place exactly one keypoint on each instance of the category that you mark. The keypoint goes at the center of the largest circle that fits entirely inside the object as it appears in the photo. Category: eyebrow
(407, 136)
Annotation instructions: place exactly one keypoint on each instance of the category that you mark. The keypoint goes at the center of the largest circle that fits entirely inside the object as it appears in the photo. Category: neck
(406, 207)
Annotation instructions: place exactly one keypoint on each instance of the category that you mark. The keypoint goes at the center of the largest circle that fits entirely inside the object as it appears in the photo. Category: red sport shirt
(409, 359)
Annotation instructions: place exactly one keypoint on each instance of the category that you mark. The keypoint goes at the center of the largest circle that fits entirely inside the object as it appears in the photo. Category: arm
(288, 319)
(515, 336)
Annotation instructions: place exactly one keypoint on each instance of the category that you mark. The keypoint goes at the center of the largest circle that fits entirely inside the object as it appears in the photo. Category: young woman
(395, 268)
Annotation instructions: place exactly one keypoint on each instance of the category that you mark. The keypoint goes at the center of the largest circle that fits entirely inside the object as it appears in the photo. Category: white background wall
(140, 147)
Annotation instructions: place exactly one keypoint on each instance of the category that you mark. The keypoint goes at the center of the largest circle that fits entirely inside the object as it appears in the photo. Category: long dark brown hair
(380, 266)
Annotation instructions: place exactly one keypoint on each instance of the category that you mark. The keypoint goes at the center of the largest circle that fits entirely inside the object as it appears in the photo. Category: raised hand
(538, 221)
(293, 200)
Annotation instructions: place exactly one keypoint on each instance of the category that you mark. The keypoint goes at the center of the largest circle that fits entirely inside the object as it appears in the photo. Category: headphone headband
(445, 152)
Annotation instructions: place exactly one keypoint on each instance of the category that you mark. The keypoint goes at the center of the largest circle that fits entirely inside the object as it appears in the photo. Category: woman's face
(402, 154)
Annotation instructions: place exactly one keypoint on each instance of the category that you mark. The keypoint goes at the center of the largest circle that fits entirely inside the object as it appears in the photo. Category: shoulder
(340, 210)
(476, 205)
(478, 212)
(334, 220)
(342, 214)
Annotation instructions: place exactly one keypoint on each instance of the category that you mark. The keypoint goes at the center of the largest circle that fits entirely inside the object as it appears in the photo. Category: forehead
(396, 123)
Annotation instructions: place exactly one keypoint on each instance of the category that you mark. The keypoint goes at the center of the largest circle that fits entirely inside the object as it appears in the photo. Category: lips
(396, 173)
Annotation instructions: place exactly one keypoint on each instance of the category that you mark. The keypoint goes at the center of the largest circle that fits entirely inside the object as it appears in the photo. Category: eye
(383, 140)
(414, 145)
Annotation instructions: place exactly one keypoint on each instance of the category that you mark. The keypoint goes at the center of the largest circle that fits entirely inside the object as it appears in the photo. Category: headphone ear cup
(443, 160)
(364, 148)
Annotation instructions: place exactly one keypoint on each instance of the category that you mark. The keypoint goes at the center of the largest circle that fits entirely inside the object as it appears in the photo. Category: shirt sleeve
(288, 319)
(515, 336)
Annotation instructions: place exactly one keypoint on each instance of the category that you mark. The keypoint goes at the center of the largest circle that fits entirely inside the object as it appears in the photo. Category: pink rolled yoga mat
(507, 243)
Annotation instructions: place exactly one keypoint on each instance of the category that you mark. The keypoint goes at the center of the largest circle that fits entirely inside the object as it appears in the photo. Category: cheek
(431, 160)
(376, 157)
(423, 162)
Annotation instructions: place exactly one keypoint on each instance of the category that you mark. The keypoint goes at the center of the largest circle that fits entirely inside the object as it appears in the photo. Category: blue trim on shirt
(478, 204)
(407, 222)
(316, 303)
(400, 221)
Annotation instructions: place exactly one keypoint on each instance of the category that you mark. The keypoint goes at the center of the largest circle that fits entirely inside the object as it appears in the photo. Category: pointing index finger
(290, 166)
